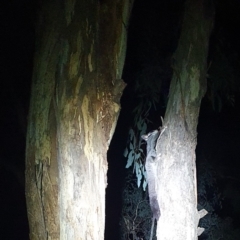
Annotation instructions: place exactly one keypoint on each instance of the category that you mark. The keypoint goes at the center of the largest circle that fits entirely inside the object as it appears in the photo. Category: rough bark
(177, 193)
(76, 88)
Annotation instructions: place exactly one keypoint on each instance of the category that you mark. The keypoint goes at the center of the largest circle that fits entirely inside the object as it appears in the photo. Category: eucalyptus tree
(74, 106)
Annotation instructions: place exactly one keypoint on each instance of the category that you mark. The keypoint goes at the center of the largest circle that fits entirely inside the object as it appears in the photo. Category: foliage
(223, 74)
(147, 89)
(210, 198)
(136, 214)
(136, 217)
(135, 155)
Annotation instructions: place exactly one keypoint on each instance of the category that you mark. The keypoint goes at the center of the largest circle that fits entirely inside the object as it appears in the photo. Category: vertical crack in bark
(39, 185)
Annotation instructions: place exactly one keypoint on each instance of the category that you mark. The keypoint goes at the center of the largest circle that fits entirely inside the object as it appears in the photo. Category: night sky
(16, 51)
(153, 36)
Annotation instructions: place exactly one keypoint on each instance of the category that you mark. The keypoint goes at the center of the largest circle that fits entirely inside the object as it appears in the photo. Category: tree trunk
(76, 87)
(176, 190)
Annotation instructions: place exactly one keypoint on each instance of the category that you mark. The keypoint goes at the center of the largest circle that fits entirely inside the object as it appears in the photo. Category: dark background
(153, 37)
(16, 63)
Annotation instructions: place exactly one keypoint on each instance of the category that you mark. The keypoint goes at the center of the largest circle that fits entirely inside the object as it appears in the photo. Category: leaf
(125, 153)
(144, 184)
(137, 167)
(130, 159)
(131, 146)
(134, 165)
(139, 180)
(144, 173)
(137, 156)
(139, 124)
(139, 174)
(131, 134)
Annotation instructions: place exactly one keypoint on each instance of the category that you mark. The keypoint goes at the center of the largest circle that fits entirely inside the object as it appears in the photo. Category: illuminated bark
(177, 193)
(76, 88)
